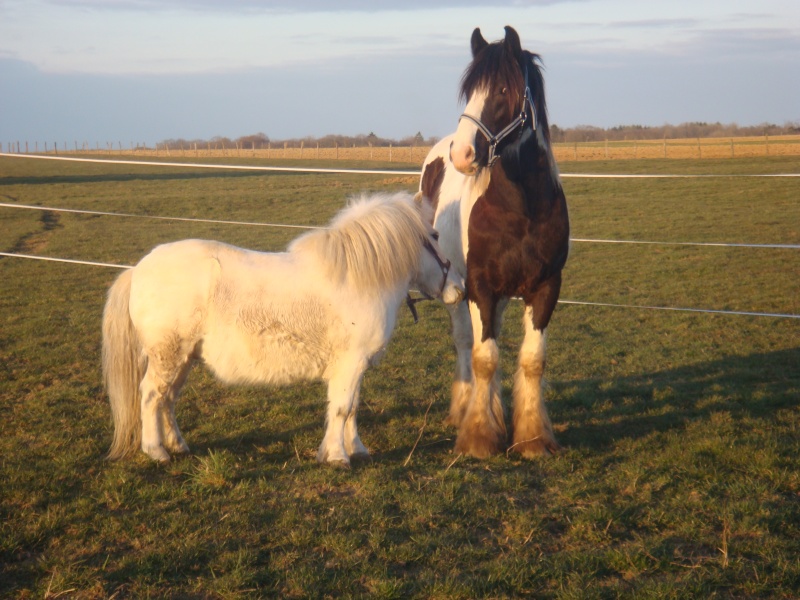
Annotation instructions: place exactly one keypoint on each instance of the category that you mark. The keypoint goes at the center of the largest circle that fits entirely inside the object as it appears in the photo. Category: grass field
(679, 477)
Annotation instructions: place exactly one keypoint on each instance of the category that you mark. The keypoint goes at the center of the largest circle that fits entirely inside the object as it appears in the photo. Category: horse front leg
(482, 432)
(533, 432)
(343, 387)
(462, 384)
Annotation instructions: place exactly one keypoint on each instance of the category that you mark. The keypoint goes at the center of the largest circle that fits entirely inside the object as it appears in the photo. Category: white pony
(324, 309)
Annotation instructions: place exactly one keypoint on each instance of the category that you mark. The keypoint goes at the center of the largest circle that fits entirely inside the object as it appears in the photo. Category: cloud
(656, 23)
(291, 6)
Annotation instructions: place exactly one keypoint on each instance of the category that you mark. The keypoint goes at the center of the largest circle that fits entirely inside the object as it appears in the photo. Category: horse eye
(435, 235)
(504, 91)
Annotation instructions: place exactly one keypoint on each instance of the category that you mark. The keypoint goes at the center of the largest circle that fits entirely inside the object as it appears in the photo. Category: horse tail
(123, 368)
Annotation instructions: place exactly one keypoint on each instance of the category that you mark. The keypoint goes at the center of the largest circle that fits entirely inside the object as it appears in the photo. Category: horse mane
(373, 243)
(496, 62)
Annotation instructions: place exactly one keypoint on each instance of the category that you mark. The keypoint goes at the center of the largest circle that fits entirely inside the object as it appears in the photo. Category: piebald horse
(502, 217)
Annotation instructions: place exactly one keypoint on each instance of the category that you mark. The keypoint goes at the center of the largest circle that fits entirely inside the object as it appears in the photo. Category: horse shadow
(598, 412)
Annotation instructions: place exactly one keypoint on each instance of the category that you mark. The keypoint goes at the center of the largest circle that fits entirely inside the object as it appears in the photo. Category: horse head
(504, 95)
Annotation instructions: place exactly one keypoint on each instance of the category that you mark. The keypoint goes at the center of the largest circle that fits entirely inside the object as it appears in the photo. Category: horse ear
(512, 41)
(477, 42)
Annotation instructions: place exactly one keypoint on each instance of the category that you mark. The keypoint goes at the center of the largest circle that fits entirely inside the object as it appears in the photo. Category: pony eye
(435, 235)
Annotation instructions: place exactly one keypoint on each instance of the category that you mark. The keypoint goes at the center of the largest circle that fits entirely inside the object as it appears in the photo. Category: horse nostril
(469, 155)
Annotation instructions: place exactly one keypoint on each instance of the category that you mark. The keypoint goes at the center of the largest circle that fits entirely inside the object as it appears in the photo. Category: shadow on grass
(601, 412)
(127, 177)
(596, 412)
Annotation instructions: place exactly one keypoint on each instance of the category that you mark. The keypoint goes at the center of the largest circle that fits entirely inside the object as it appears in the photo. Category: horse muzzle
(463, 158)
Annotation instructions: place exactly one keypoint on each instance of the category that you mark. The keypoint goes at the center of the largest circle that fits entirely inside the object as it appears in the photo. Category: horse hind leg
(154, 391)
(173, 439)
(533, 432)
(157, 408)
(343, 390)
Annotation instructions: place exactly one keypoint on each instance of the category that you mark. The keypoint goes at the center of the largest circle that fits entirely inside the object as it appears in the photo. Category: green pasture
(679, 476)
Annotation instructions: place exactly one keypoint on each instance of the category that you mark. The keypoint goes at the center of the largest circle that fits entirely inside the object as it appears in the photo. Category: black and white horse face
(494, 88)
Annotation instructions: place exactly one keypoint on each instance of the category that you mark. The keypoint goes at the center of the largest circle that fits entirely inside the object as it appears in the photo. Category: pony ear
(477, 42)
(512, 42)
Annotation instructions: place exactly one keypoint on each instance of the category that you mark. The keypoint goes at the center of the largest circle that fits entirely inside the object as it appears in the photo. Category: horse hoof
(535, 448)
(338, 464)
(478, 445)
(452, 421)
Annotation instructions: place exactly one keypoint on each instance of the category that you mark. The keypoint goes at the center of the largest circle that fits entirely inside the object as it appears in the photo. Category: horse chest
(508, 253)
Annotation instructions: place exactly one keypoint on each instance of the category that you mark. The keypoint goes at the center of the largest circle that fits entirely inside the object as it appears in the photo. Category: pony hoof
(157, 453)
(324, 458)
(180, 449)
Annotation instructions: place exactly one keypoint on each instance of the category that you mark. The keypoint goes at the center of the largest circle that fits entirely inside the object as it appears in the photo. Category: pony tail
(122, 368)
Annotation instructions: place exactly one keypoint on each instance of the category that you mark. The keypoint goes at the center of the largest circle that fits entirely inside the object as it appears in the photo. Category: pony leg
(173, 440)
(154, 390)
(482, 432)
(533, 432)
(352, 442)
(462, 385)
(343, 390)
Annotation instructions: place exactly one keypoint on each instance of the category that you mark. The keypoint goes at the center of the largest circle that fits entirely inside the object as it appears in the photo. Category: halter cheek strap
(495, 139)
(444, 265)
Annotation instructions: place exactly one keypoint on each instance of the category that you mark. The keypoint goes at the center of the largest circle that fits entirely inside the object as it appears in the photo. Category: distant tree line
(580, 133)
(261, 141)
(588, 133)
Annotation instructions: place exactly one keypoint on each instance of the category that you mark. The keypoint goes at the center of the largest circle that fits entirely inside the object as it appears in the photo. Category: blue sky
(101, 71)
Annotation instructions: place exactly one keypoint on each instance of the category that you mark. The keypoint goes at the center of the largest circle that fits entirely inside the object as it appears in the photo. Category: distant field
(679, 477)
(695, 148)
(699, 148)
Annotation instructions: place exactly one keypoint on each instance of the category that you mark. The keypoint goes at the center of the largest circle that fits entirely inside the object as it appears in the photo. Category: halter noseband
(495, 139)
(444, 265)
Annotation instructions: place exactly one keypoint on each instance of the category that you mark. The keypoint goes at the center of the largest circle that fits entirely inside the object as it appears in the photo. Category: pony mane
(374, 243)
